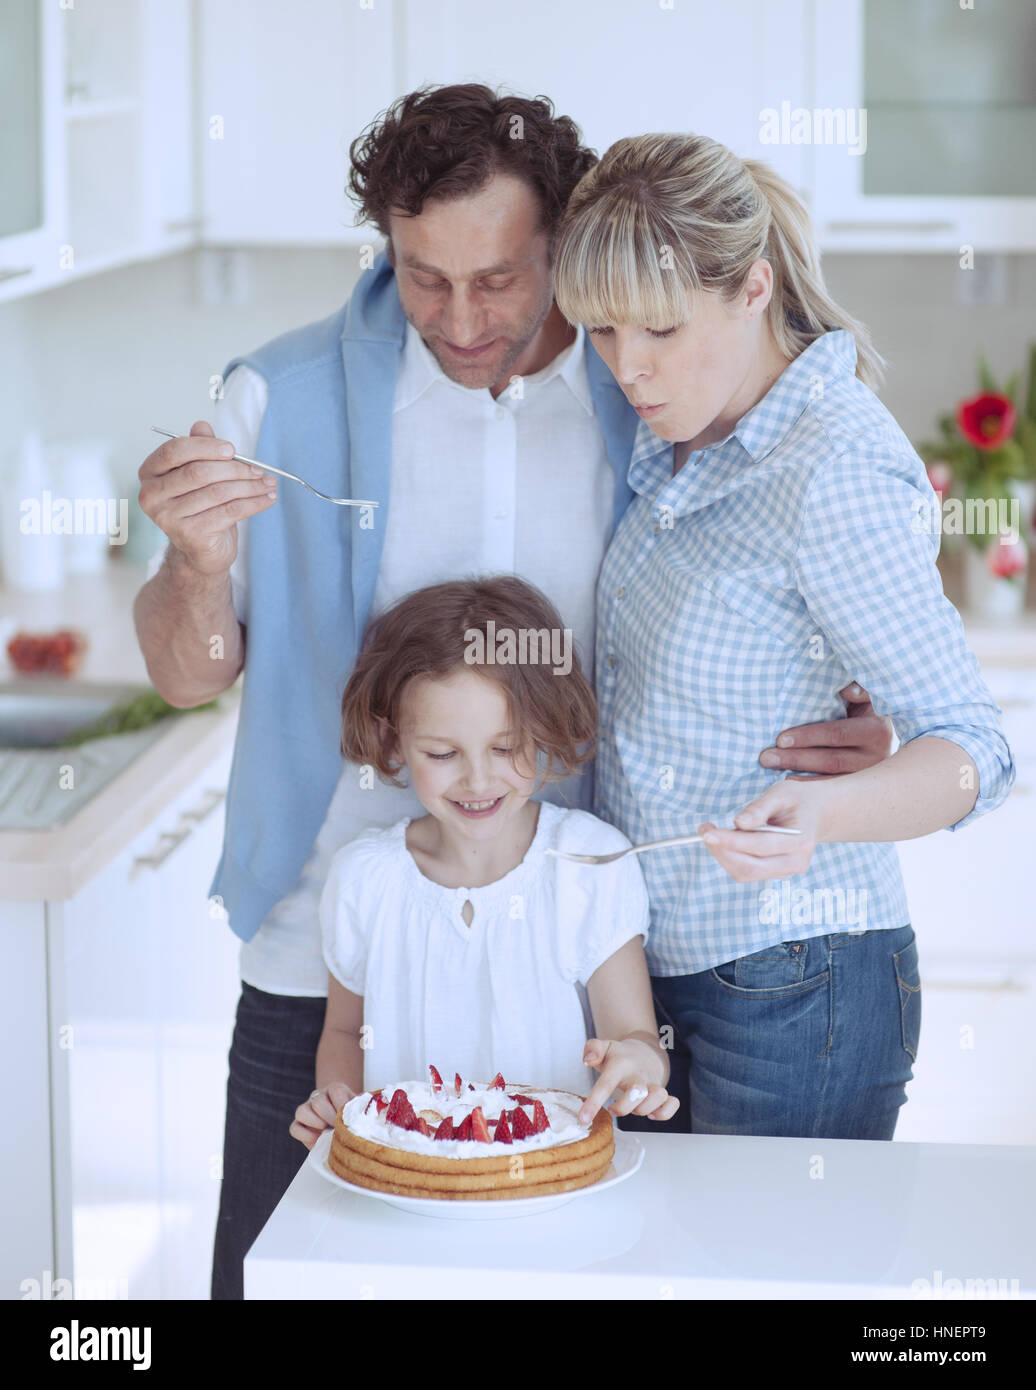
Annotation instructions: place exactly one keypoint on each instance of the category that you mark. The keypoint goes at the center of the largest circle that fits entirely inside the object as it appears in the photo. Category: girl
(780, 545)
(454, 939)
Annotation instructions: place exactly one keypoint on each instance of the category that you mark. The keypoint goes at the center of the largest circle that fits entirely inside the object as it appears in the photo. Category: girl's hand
(750, 857)
(319, 1112)
(624, 1067)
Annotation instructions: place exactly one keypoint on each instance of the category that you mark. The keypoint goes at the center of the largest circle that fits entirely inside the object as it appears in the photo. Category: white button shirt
(479, 486)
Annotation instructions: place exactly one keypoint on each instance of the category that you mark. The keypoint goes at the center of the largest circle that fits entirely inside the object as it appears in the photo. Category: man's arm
(192, 641)
(835, 747)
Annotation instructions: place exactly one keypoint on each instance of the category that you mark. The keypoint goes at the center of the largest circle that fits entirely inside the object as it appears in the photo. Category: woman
(777, 548)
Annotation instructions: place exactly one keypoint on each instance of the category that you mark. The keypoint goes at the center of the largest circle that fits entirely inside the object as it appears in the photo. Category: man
(450, 391)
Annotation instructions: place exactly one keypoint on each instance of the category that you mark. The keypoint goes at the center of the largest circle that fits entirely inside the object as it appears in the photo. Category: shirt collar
(761, 429)
(419, 370)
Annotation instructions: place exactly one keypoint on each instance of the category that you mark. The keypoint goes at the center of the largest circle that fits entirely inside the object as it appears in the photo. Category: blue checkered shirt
(737, 598)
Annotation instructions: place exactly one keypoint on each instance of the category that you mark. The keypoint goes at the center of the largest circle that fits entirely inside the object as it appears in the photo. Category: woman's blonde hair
(659, 204)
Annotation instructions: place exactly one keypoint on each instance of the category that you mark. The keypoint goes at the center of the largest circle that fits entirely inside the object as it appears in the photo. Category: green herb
(138, 713)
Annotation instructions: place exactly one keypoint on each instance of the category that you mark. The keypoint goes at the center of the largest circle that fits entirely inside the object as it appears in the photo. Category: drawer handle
(171, 840)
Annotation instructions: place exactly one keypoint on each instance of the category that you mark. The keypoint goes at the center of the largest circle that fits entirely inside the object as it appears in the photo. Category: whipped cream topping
(562, 1109)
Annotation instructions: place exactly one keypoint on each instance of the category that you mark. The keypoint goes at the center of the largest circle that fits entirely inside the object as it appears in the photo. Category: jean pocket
(780, 969)
(908, 982)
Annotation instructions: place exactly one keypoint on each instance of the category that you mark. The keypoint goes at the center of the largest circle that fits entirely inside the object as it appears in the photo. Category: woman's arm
(927, 786)
(626, 1050)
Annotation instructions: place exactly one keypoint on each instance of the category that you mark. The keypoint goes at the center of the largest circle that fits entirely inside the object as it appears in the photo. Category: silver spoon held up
(282, 473)
(662, 844)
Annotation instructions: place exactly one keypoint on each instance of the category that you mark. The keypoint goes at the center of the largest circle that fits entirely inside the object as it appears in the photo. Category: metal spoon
(283, 473)
(663, 844)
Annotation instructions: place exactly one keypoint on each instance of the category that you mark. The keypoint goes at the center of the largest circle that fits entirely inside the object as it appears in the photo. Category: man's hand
(858, 741)
(196, 493)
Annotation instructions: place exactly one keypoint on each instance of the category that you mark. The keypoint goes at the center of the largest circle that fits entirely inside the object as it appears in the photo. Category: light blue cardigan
(311, 576)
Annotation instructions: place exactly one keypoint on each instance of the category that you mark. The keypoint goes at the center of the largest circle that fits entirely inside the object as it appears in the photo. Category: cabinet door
(617, 69)
(144, 981)
(950, 117)
(284, 90)
(976, 1064)
(200, 983)
(169, 215)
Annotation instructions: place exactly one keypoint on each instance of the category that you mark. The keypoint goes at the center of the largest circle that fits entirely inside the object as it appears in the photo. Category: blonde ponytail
(658, 203)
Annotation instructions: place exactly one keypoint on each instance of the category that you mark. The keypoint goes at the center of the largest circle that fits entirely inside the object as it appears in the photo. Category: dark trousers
(272, 1071)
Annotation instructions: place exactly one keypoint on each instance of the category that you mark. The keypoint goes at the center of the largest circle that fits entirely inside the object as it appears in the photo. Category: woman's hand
(747, 857)
(626, 1066)
(319, 1112)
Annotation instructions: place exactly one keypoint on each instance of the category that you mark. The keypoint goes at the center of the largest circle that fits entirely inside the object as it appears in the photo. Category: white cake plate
(629, 1155)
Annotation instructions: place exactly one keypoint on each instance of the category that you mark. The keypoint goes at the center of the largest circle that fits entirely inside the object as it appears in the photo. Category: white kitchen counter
(705, 1217)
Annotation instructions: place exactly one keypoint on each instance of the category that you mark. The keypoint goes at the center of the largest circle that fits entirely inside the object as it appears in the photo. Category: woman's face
(695, 381)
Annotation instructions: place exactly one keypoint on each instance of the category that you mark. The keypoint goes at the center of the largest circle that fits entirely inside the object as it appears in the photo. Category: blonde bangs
(613, 267)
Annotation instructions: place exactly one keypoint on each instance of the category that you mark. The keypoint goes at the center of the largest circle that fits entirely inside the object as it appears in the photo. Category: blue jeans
(273, 1059)
(812, 1039)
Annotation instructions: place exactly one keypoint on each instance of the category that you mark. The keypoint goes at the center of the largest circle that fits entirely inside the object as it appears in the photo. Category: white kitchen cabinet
(623, 69)
(284, 90)
(951, 119)
(115, 144)
(143, 985)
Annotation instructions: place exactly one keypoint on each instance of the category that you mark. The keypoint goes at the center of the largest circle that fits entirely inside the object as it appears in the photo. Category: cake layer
(595, 1141)
(539, 1189)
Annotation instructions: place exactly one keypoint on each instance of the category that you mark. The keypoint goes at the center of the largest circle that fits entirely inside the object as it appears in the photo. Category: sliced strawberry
(479, 1128)
(539, 1118)
(497, 1083)
(374, 1100)
(521, 1125)
(421, 1126)
(445, 1130)
(502, 1134)
(436, 1080)
(463, 1130)
(380, 1101)
(470, 1087)
(396, 1104)
(458, 1084)
(522, 1100)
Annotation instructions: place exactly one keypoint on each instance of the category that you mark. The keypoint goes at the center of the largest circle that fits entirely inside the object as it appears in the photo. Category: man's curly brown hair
(448, 141)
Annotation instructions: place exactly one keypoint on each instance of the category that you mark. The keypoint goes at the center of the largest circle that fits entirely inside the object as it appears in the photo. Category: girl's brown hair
(429, 633)
(448, 141)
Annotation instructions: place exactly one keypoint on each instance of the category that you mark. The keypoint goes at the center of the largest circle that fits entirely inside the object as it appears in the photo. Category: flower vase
(994, 579)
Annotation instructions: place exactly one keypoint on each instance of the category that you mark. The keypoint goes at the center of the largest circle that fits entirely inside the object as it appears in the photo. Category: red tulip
(987, 421)
(1007, 558)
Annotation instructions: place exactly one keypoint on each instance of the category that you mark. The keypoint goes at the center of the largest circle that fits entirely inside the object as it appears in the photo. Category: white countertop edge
(267, 1279)
(37, 865)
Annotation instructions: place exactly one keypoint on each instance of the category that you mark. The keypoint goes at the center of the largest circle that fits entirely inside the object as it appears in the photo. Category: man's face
(474, 278)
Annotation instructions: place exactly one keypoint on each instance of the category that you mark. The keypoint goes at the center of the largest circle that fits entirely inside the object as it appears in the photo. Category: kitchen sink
(43, 784)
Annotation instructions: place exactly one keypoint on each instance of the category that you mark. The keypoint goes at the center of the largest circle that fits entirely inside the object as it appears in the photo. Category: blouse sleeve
(344, 925)
(865, 567)
(599, 908)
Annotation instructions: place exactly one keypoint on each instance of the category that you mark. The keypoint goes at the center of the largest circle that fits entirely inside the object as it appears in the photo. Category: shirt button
(612, 662)
(620, 592)
(658, 530)
(500, 413)
(500, 516)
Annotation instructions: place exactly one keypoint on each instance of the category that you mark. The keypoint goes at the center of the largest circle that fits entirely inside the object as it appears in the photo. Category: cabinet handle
(211, 799)
(10, 274)
(171, 840)
(167, 842)
(182, 224)
(891, 226)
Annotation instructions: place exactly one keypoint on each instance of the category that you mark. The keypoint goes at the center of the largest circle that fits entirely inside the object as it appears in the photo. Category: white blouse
(506, 993)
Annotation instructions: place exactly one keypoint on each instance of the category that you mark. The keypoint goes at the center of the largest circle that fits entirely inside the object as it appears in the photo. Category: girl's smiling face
(455, 738)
